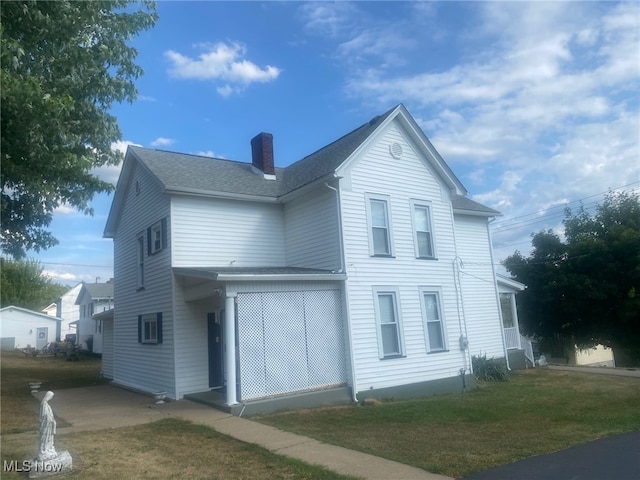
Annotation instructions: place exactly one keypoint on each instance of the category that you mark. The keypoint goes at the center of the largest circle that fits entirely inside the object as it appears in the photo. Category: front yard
(539, 411)
(169, 448)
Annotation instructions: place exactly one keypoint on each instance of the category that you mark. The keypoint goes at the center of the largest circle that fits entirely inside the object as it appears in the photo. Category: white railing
(528, 350)
(512, 337)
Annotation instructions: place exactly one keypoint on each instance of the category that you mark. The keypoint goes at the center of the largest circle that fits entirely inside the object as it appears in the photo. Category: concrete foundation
(457, 384)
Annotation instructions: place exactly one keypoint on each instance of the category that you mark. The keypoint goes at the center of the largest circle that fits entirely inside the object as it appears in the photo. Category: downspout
(354, 390)
(495, 286)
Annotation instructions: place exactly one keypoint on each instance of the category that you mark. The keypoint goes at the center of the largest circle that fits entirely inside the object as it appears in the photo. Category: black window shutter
(149, 241)
(159, 326)
(139, 328)
(164, 232)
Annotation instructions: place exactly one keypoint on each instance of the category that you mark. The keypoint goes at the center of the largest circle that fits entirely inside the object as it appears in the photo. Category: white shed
(21, 328)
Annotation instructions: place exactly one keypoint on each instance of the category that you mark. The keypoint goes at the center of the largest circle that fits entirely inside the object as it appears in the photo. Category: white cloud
(209, 153)
(110, 173)
(545, 99)
(221, 62)
(162, 142)
(327, 18)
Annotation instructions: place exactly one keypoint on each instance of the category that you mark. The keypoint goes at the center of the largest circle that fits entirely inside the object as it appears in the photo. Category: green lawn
(169, 448)
(539, 411)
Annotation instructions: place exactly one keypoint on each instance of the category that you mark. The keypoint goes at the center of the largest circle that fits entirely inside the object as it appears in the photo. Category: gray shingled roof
(99, 290)
(459, 202)
(181, 172)
(192, 173)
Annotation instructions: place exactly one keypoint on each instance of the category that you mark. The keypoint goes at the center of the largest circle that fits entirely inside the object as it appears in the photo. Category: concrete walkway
(106, 406)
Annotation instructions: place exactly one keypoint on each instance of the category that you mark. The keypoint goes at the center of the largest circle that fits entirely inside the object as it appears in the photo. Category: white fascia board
(281, 277)
(216, 194)
(307, 187)
(475, 213)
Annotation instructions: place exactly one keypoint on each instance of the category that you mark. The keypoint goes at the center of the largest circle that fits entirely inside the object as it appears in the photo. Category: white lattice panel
(289, 341)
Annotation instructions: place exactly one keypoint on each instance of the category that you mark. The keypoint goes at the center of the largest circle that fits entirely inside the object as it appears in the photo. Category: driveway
(616, 458)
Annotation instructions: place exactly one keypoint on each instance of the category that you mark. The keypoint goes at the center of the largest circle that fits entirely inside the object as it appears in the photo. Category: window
(422, 231)
(98, 326)
(140, 262)
(150, 328)
(389, 328)
(157, 237)
(379, 225)
(507, 311)
(434, 321)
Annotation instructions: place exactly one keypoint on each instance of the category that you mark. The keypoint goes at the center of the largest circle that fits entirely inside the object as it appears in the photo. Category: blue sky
(533, 105)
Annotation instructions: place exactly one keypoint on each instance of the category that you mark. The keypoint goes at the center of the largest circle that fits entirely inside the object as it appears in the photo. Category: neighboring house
(520, 348)
(68, 310)
(362, 269)
(92, 299)
(50, 309)
(22, 328)
(598, 356)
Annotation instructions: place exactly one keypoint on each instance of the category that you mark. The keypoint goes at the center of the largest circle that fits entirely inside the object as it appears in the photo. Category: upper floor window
(380, 232)
(140, 262)
(388, 320)
(157, 237)
(422, 229)
(434, 320)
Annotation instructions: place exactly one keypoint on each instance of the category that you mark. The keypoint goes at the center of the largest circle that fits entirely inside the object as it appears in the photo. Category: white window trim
(140, 256)
(429, 206)
(149, 318)
(437, 291)
(394, 291)
(156, 231)
(387, 200)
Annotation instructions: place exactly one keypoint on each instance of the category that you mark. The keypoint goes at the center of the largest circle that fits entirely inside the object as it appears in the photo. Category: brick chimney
(262, 155)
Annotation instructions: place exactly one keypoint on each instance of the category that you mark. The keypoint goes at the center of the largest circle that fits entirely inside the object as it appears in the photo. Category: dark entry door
(215, 350)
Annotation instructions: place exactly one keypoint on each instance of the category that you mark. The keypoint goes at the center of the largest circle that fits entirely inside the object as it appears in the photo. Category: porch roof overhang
(239, 274)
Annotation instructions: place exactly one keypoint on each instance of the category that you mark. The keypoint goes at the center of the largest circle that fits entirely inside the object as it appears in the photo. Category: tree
(64, 63)
(585, 290)
(24, 285)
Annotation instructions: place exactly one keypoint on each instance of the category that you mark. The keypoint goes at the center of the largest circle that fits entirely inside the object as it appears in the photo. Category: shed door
(42, 337)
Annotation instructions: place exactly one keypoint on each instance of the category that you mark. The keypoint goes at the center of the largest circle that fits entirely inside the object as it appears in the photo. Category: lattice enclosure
(290, 342)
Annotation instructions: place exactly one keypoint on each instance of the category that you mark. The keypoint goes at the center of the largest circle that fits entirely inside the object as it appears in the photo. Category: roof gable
(179, 173)
(95, 291)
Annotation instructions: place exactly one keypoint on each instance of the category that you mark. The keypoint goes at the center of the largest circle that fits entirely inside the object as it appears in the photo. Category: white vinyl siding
(433, 320)
(422, 230)
(137, 365)
(380, 230)
(312, 230)
(217, 232)
(389, 322)
(401, 180)
(478, 287)
(107, 349)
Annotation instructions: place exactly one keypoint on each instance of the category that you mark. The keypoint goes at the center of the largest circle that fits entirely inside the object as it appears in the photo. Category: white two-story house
(362, 270)
(93, 298)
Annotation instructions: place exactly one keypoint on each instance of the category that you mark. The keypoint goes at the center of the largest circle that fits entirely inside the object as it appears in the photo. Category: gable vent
(396, 150)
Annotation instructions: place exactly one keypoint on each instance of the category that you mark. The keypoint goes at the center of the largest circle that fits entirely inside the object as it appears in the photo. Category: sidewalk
(106, 406)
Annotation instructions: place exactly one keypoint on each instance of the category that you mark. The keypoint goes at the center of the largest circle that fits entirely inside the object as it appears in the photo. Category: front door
(215, 350)
(43, 335)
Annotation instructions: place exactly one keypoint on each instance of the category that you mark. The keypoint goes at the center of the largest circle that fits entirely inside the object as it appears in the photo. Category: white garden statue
(46, 449)
(48, 462)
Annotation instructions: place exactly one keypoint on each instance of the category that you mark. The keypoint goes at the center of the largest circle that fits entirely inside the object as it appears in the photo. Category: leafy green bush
(490, 369)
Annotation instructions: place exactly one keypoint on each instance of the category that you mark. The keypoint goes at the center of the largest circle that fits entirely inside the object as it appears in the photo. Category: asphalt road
(611, 458)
